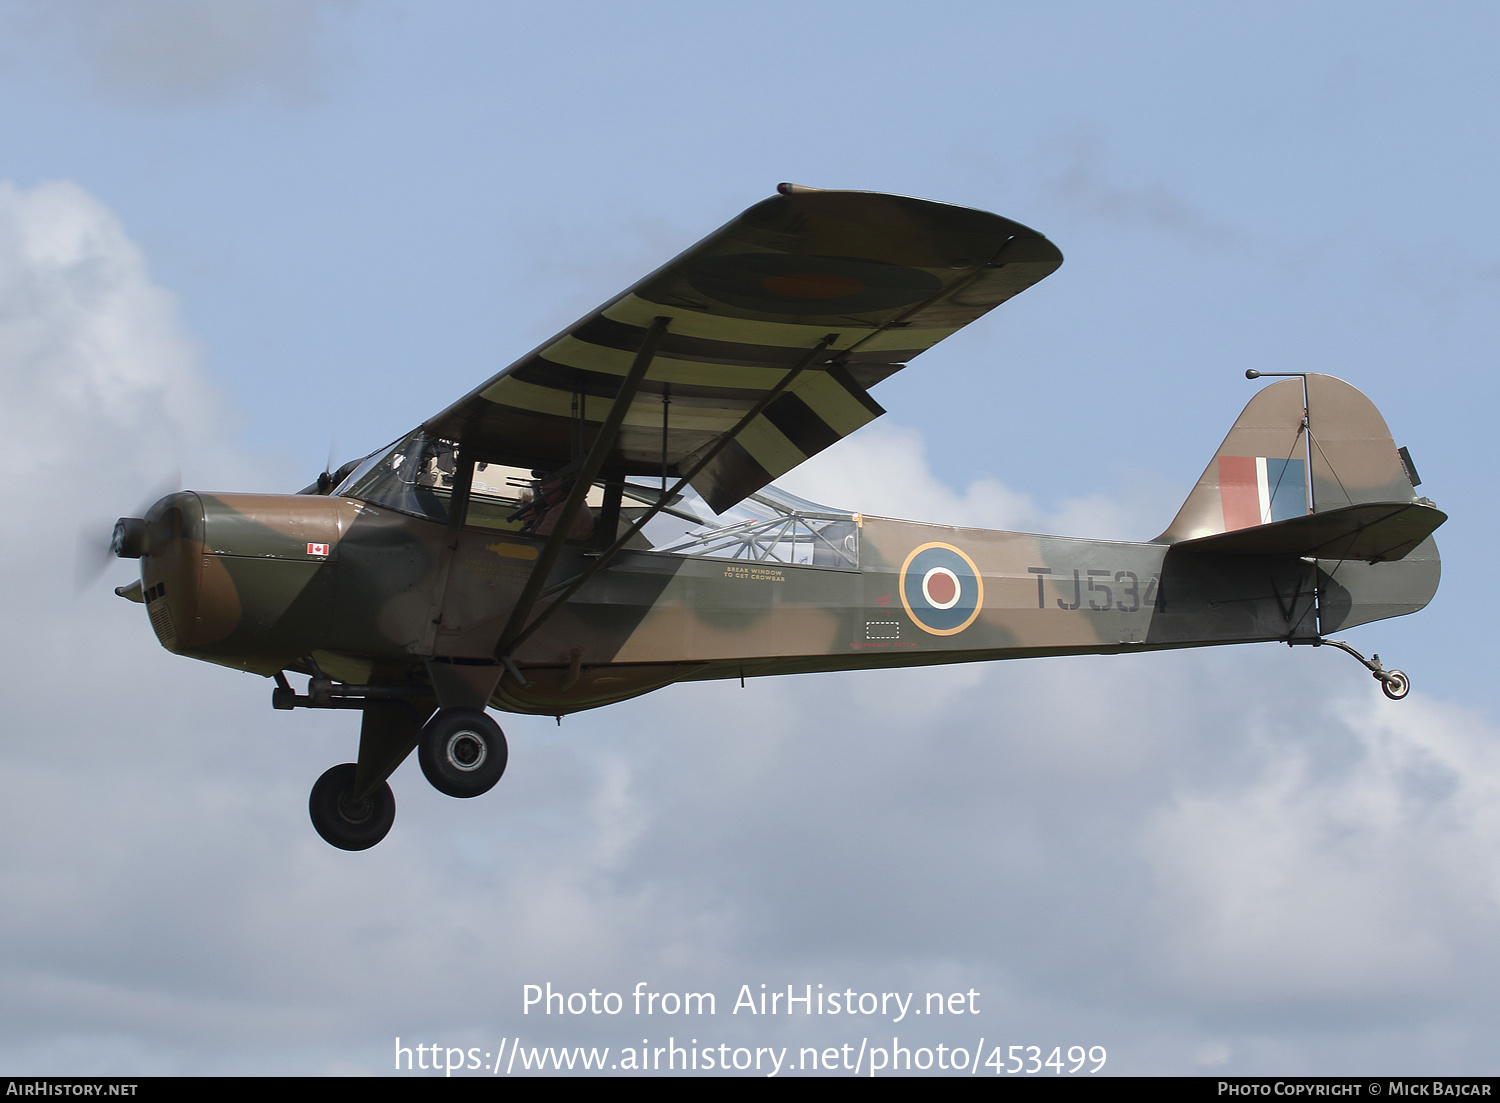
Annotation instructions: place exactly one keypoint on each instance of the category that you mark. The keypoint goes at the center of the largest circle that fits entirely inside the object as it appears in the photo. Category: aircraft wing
(880, 278)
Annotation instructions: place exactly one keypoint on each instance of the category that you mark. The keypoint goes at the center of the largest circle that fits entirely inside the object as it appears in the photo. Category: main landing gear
(345, 820)
(1393, 683)
(462, 752)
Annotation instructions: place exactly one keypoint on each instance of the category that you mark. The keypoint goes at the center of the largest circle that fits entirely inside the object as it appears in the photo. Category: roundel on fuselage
(941, 589)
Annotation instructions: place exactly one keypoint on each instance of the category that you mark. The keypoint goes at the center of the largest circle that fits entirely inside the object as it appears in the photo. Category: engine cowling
(245, 580)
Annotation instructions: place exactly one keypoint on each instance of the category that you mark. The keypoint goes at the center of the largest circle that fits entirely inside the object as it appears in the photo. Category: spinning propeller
(100, 541)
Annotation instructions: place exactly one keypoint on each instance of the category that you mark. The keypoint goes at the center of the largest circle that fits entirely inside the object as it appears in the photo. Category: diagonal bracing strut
(589, 471)
(569, 588)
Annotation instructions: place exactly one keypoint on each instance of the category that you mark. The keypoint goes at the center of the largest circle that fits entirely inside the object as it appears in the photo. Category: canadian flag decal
(317, 549)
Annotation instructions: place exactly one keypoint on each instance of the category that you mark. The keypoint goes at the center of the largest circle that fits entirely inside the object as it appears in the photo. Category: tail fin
(1309, 469)
(1295, 454)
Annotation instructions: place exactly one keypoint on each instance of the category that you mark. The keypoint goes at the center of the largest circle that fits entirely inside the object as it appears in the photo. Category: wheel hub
(466, 751)
(355, 811)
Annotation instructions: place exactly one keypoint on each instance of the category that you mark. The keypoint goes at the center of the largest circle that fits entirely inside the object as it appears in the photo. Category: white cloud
(882, 470)
(100, 380)
(1363, 876)
(101, 395)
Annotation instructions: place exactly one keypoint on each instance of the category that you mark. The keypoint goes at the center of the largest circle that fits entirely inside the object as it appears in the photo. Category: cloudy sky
(233, 236)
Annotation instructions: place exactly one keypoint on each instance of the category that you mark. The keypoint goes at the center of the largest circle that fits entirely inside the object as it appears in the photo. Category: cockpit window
(414, 475)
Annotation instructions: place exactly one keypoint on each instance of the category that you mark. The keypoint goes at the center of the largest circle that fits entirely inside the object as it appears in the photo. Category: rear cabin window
(770, 526)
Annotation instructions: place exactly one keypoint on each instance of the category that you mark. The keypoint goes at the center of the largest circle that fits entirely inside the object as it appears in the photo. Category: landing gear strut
(461, 750)
(1393, 683)
(345, 821)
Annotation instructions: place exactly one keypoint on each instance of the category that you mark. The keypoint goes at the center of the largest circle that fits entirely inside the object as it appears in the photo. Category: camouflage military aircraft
(597, 520)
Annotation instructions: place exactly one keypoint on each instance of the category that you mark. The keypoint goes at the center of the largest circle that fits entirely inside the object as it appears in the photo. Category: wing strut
(587, 473)
(508, 643)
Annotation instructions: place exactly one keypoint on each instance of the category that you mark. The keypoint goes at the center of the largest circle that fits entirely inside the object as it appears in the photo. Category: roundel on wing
(784, 283)
(941, 589)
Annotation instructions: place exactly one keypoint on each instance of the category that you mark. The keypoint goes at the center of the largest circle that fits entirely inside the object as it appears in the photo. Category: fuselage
(266, 582)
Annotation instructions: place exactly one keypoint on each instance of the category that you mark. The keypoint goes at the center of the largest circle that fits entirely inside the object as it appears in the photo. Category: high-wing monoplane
(599, 519)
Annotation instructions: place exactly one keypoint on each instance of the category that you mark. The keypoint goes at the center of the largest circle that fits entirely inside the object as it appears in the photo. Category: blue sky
(233, 236)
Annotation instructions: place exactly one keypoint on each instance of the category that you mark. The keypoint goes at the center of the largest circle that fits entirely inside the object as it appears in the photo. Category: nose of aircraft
(232, 577)
(168, 542)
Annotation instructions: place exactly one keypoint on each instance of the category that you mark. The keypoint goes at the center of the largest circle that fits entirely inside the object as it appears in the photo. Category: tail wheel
(1395, 685)
(347, 823)
(462, 752)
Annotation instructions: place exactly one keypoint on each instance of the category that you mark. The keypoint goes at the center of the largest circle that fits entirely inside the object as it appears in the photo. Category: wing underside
(836, 290)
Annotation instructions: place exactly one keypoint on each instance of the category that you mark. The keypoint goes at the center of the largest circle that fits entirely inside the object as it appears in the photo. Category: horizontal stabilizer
(1374, 532)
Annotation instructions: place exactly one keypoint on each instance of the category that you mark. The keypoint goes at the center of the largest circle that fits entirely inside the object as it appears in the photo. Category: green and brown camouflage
(262, 582)
(596, 522)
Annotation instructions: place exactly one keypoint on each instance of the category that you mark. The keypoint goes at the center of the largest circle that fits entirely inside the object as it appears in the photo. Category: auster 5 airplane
(597, 520)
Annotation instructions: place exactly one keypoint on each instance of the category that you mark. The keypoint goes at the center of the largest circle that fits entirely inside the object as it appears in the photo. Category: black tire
(462, 752)
(344, 823)
(1395, 685)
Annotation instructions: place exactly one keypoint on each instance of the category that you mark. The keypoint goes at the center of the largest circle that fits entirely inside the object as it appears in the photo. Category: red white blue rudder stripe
(1256, 490)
